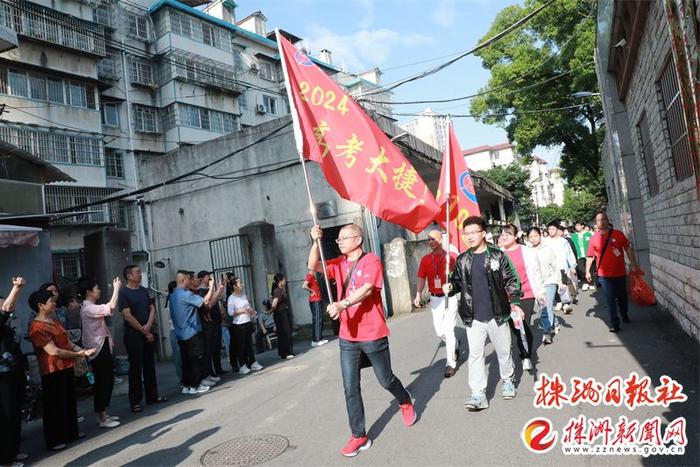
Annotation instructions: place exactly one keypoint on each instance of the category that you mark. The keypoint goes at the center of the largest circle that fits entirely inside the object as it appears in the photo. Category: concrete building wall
(664, 226)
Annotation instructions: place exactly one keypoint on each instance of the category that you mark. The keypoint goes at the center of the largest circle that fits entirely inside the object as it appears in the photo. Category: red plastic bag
(640, 290)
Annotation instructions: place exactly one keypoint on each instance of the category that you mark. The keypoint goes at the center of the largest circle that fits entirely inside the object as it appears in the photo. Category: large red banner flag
(358, 160)
(462, 196)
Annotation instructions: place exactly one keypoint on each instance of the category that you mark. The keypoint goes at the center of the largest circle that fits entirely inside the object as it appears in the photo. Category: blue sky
(392, 34)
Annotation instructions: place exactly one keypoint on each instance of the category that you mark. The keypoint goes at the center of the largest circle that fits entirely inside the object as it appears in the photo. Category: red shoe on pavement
(355, 445)
(408, 412)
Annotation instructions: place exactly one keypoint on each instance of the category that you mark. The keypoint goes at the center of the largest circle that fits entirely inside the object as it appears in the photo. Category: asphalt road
(302, 402)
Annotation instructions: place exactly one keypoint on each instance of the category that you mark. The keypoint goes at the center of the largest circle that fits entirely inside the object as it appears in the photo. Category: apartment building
(547, 184)
(97, 87)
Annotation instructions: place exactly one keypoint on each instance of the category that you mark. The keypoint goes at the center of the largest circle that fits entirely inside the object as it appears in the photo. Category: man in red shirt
(363, 330)
(606, 247)
(432, 270)
(311, 285)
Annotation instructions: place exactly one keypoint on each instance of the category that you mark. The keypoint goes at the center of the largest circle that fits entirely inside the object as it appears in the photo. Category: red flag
(358, 160)
(463, 202)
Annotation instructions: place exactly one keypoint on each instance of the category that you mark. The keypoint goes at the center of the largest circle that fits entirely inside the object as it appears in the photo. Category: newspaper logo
(539, 435)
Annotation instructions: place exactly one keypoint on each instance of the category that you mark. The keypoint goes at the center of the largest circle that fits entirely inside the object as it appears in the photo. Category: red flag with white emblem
(358, 160)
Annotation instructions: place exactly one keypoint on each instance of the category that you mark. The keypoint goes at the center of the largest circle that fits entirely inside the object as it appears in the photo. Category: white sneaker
(216, 379)
(108, 423)
(568, 308)
(289, 357)
(557, 306)
(322, 342)
(527, 364)
(186, 390)
(314, 344)
(244, 370)
(256, 366)
(585, 287)
(591, 288)
(207, 382)
(199, 390)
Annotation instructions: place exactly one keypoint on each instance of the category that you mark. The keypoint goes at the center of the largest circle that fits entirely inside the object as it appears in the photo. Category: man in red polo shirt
(363, 330)
(608, 247)
(432, 270)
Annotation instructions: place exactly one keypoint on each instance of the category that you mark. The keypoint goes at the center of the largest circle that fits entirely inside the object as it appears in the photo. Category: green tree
(515, 178)
(580, 205)
(551, 212)
(555, 47)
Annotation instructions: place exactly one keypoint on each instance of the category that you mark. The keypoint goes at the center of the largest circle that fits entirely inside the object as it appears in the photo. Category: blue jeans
(316, 321)
(225, 338)
(615, 289)
(547, 312)
(377, 352)
(177, 358)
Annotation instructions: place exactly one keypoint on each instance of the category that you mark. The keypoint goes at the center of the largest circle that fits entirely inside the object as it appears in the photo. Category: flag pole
(300, 144)
(448, 195)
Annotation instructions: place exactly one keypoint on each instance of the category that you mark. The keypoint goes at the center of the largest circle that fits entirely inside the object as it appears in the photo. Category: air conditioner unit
(260, 109)
(254, 68)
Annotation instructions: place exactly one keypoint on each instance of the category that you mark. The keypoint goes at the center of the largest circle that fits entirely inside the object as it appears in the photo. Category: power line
(478, 47)
(499, 114)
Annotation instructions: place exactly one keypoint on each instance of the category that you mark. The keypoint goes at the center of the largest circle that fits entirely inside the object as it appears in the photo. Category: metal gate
(232, 254)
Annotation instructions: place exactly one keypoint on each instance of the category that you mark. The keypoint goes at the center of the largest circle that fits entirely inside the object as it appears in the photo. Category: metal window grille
(55, 146)
(103, 14)
(168, 117)
(206, 119)
(243, 102)
(267, 71)
(110, 114)
(44, 88)
(205, 72)
(140, 71)
(67, 264)
(137, 26)
(200, 31)
(69, 198)
(110, 66)
(145, 119)
(647, 155)
(676, 127)
(33, 20)
(114, 163)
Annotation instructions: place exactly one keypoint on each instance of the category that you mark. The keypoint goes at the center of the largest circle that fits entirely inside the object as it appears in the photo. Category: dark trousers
(194, 367)
(243, 347)
(207, 330)
(528, 305)
(232, 349)
(377, 352)
(60, 412)
(284, 332)
(103, 370)
(11, 392)
(615, 291)
(215, 340)
(316, 321)
(142, 363)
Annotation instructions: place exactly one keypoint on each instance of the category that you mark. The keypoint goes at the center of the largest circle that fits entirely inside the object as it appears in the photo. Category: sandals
(136, 408)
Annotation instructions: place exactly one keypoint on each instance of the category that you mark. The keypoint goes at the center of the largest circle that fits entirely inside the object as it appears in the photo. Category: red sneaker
(355, 445)
(408, 412)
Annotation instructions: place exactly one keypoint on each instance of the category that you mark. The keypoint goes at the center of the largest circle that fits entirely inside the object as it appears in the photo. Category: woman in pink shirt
(96, 335)
(527, 266)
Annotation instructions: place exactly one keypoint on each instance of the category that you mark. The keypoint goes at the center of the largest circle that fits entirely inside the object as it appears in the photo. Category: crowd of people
(72, 340)
(495, 291)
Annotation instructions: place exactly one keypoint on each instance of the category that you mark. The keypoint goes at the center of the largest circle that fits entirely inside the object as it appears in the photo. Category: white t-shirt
(236, 304)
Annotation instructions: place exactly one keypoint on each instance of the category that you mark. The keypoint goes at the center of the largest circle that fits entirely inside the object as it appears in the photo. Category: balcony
(197, 70)
(45, 24)
(67, 197)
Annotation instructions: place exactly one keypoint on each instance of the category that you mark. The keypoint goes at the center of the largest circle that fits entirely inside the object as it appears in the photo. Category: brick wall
(672, 215)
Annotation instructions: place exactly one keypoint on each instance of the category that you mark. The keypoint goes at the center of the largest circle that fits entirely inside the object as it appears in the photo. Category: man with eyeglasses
(432, 270)
(490, 291)
(363, 330)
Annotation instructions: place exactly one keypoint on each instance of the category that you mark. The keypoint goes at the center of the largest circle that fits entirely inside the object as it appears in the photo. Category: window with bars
(206, 119)
(110, 66)
(268, 71)
(45, 88)
(238, 59)
(114, 163)
(204, 72)
(200, 31)
(676, 128)
(140, 71)
(50, 25)
(67, 265)
(647, 155)
(103, 14)
(242, 102)
(69, 198)
(145, 118)
(137, 26)
(168, 117)
(55, 146)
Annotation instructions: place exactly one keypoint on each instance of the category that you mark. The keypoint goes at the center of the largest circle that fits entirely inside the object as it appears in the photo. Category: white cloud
(362, 49)
(445, 14)
(367, 10)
